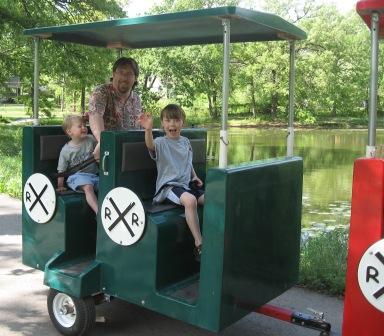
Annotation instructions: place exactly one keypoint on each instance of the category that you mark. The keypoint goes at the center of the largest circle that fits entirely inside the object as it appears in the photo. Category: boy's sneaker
(197, 252)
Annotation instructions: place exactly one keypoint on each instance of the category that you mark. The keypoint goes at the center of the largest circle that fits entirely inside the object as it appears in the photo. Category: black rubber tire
(85, 315)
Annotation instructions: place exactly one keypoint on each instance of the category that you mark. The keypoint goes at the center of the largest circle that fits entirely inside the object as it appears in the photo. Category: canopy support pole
(291, 108)
(224, 114)
(371, 148)
(36, 74)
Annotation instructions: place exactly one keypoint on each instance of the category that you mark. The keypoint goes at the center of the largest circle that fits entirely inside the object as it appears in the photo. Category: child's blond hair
(69, 119)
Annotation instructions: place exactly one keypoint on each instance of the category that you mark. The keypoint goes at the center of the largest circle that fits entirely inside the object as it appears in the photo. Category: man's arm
(96, 122)
(97, 104)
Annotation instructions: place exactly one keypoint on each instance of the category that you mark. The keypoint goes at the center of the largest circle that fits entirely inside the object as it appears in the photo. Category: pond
(328, 157)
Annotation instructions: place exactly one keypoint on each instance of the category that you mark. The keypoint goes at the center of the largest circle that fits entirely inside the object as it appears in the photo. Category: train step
(76, 276)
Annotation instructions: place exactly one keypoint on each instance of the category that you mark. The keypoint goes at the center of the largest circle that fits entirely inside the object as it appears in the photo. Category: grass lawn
(10, 163)
(14, 112)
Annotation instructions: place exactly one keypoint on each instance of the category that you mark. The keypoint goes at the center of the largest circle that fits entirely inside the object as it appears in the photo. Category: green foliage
(3, 120)
(191, 72)
(71, 66)
(305, 117)
(323, 262)
(331, 77)
(10, 163)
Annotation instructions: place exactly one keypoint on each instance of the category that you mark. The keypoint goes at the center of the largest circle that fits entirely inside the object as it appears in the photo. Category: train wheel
(69, 315)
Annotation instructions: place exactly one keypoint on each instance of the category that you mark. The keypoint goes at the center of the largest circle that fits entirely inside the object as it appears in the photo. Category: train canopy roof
(175, 29)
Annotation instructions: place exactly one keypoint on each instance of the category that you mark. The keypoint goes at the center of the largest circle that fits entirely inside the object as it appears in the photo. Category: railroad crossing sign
(371, 275)
(123, 216)
(39, 198)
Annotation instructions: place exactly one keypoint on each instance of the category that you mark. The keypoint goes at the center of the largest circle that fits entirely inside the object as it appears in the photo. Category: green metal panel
(259, 233)
(72, 228)
(175, 29)
(155, 271)
(211, 271)
(40, 241)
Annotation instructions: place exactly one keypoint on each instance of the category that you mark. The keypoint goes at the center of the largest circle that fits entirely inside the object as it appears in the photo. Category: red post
(364, 295)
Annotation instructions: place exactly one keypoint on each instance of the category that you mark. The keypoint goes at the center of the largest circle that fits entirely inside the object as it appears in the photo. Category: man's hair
(123, 61)
(69, 119)
(172, 111)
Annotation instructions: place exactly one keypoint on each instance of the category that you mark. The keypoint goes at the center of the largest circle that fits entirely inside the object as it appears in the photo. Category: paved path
(23, 301)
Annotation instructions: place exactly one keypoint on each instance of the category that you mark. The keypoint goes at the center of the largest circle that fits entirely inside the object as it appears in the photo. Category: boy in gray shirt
(74, 152)
(173, 156)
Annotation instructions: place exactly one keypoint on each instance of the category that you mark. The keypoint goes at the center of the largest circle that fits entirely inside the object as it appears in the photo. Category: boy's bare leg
(90, 196)
(190, 204)
(200, 201)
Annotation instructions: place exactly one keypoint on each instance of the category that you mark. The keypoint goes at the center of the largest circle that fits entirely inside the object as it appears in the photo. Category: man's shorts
(77, 180)
(175, 193)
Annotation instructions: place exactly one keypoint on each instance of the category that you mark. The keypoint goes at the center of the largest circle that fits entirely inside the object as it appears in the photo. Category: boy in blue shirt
(173, 156)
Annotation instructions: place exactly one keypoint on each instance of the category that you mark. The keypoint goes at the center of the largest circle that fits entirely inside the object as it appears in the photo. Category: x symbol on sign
(380, 292)
(38, 198)
(121, 216)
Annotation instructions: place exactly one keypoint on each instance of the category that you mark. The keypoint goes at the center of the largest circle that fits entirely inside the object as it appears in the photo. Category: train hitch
(315, 321)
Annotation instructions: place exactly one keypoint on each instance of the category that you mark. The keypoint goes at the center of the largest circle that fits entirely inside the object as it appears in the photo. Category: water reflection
(328, 157)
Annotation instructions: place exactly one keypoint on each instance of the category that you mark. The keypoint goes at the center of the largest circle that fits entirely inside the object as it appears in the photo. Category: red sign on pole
(364, 296)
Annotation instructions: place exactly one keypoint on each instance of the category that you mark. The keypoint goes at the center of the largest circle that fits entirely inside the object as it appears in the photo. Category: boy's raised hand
(146, 120)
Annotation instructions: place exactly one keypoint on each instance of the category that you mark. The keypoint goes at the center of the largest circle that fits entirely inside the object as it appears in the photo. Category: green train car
(140, 252)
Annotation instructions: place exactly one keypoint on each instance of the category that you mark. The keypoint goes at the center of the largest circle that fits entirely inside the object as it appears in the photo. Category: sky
(138, 7)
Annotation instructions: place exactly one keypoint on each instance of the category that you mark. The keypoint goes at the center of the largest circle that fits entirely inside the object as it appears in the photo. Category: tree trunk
(333, 112)
(83, 100)
(210, 105)
(275, 97)
(62, 99)
(253, 106)
(74, 102)
(214, 101)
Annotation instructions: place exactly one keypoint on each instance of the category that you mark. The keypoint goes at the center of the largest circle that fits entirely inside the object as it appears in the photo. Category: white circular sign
(371, 275)
(39, 198)
(123, 216)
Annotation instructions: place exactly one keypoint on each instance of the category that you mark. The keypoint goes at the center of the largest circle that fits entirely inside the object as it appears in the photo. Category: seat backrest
(51, 145)
(140, 170)
(131, 166)
(41, 149)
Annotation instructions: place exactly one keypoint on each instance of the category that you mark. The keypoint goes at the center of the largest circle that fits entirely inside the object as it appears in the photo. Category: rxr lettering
(121, 216)
(37, 199)
(373, 273)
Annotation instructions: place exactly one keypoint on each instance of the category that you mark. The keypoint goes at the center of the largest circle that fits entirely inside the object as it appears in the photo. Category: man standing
(115, 106)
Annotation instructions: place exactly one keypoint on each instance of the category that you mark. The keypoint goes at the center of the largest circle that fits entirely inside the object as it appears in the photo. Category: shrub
(324, 261)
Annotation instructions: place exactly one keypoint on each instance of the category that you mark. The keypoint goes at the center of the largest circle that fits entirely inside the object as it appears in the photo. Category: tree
(80, 64)
(192, 71)
(333, 63)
